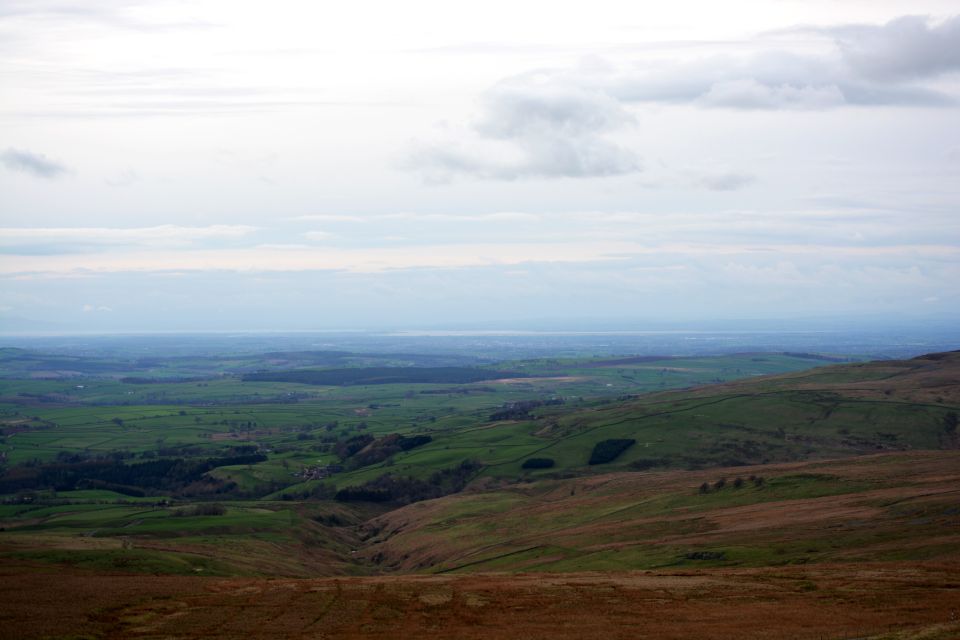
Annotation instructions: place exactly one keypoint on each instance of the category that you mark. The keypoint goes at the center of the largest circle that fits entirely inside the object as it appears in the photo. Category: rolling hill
(827, 498)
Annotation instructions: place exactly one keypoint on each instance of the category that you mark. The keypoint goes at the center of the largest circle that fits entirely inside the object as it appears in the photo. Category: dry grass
(875, 505)
(829, 601)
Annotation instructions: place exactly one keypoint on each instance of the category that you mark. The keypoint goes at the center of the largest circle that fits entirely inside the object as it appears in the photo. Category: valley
(743, 486)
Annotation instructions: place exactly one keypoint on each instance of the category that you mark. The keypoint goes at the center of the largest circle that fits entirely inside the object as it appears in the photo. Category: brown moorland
(891, 601)
(892, 506)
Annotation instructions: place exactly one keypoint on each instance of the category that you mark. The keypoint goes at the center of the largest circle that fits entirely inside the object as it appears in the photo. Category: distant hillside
(931, 378)
(827, 412)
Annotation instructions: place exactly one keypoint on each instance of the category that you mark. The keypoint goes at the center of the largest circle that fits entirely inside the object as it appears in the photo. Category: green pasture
(603, 400)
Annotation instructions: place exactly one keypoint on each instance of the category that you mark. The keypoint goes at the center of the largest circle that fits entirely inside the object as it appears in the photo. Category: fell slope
(903, 506)
(858, 462)
(822, 413)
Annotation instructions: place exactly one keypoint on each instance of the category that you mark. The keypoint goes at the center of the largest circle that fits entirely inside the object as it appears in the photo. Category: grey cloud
(866, 65)
(440, 162)
(691, 81)
(748, 93)
(728, 181)
(904, 49)
(877, 96)
(536, 105)
(550, 130)
(35, 164)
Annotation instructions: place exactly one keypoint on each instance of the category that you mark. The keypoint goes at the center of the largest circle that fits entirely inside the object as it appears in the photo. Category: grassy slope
(888, 506)
(825, 412)
(98, 531)
(884, 507)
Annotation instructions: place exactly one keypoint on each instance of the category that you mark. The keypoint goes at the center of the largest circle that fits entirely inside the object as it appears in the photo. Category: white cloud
(162, 235)
(498, 216)
(545, 129)
(558, 122)
(747, 93)
(291, 258)
(323, 217)
(727, 181)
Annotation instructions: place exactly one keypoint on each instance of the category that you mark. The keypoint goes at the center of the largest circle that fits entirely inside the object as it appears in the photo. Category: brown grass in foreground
(890, 600)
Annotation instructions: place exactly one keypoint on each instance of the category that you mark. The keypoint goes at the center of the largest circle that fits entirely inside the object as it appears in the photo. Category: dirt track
(826, 601)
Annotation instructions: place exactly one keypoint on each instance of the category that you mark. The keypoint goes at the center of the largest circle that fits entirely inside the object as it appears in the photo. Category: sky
(295, 165)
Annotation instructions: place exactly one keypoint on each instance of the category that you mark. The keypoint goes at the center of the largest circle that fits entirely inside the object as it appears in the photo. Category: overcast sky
(295, 165)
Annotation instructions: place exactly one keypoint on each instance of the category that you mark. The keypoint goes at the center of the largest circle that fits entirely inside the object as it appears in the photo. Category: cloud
(66, 238)
(857, 65)
(325, 217)
(907, 48)
(494, 217)
(293, 258)
(34, 164)
(558, 122)
(867, 65)
(728, 181)
(286, 258)
(535, 127)
(747, 93)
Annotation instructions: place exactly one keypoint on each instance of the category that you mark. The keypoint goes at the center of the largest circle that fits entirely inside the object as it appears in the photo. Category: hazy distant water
(504, 343)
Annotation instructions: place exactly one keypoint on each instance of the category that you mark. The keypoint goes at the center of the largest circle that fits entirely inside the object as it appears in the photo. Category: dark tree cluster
(411, 442)
(950, 421)
(364, 450)
(209, 509)
(609, 450)
(521, 410)
(738, 483)
(406, 489)
(642, 464)
(165, 474)
(350, 446)
(537, 463)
